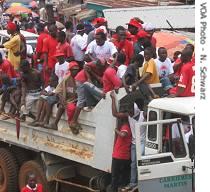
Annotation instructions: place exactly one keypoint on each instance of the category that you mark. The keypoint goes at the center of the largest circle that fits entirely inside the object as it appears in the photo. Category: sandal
(75, 128)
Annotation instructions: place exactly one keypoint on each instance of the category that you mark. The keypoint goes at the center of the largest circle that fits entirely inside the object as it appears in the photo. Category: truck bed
(92, 146)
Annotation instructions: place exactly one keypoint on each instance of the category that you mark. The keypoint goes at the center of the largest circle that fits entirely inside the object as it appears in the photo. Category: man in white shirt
(100, 48)
(79, 44)
(165, 68)
(61, 67)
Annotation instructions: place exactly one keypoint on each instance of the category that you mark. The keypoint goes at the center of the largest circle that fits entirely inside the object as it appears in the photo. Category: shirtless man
(31, 82)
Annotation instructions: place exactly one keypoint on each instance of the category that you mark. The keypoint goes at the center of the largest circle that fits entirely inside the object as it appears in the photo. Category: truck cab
(168, 161)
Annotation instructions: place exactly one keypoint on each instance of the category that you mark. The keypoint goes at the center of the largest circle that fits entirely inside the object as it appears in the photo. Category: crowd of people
(75, 70)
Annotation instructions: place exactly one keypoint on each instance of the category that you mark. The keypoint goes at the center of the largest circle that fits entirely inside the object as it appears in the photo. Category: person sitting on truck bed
(31, 82)
(165, 69)
(8, 85)
(134, 116)
(32, 185)
(48, 91)
(121, 152)
(132, 75)
(149, 73)
(186, 84)
(91, 69)
(66, 92)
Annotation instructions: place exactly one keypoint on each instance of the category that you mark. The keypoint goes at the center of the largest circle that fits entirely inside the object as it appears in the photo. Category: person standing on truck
(13, 45)
(165, 69)
(133, 27)
(121, 152)
(123, 45)
(186, 84)
(97, 22)
(32, 83)
(134, 115)
(32, 185)
(49, 50)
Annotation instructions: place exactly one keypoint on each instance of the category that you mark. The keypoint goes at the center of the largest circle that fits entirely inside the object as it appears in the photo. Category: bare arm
(121, 133)
(114, 109)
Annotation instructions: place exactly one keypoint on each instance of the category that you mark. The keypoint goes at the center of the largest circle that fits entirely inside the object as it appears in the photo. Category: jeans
(120, 173)
(166, 83)
(134, 178)
(92, 94)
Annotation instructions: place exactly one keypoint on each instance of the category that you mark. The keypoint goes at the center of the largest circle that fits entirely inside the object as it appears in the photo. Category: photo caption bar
(202, 87)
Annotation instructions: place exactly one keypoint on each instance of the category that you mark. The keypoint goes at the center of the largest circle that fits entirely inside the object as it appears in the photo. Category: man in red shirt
(40, 41)
(92, 69)
(110, 79)
(133, 27)
(64, 47)
(123, 45)
(32, 185)
(49, 50)
(186, 84)
(6, 68)
(122, 150)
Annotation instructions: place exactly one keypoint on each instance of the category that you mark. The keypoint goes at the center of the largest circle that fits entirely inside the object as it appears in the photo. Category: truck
(63, 161)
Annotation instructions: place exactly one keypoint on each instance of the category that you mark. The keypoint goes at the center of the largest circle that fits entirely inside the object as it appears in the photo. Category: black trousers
(120, 173)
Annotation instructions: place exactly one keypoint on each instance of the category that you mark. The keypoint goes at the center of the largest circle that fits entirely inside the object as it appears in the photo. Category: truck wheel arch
(32, 167)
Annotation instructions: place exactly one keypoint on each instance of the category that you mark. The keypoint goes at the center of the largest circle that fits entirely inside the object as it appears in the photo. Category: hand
(156, 96)
(103, 95)
(112, 94)
(134, 87)
(17, 54)
(116, 91)
(127, 89)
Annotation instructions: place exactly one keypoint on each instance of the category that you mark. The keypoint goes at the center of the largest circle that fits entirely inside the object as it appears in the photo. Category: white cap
(148, 26)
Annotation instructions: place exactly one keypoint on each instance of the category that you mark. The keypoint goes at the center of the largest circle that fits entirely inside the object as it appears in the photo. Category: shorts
(81, 101)
(51, 100)
(31, 98)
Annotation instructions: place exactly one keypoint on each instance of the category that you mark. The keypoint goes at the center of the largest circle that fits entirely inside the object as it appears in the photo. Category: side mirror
(191, 147)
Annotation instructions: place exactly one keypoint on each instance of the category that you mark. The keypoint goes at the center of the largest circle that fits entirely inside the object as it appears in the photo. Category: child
(8, 85)
(47, 92)
(15, 98)
(132, 76)
(61, 67)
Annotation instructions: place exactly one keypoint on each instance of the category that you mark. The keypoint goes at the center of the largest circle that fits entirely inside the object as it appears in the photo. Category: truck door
(169, 170)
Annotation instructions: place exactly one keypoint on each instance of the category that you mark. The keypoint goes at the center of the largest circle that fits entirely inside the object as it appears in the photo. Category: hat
(142, 34)
(99, 20)
(11, 26)
(101, 29)
(59, 53)
(73, 64)
(110, 60)
(134, 23)
(148, 26)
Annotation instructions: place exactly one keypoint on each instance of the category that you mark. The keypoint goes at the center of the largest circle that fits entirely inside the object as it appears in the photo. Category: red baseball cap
(11, 26)
(142, 34)
(73, 64)
(59, 53)
(134, 23)
(99, 20)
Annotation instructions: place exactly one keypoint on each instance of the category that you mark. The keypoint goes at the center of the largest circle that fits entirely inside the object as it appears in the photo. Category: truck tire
(36, 168)
(20, 155)
(8, 171)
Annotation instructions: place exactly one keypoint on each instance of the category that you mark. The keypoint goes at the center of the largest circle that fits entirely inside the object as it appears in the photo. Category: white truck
(62, 160)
